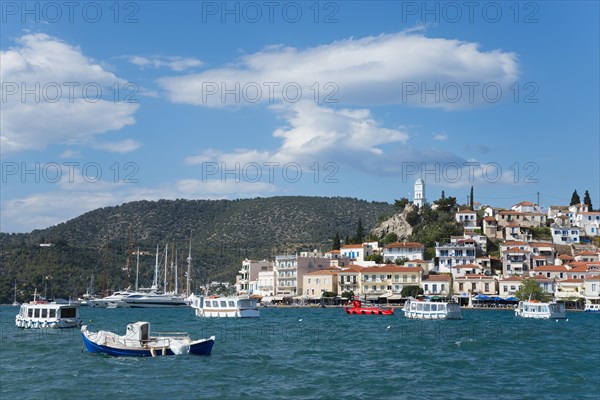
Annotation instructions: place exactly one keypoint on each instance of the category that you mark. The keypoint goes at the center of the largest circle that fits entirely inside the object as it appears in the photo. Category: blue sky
(105, 103)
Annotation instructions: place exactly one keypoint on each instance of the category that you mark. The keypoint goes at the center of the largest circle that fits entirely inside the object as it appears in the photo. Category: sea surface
(317, 353)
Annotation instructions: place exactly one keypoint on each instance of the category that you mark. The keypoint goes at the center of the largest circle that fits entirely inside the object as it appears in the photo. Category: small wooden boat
(358, 309)
(137, 342)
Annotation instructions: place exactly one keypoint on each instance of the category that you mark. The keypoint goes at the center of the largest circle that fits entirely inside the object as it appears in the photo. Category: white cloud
(174, 63)
(124, 146)
(441, 137)
(388, 69)
(69, 99)
(314, 133)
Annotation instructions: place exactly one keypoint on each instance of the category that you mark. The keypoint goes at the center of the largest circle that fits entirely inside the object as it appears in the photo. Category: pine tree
(587, 200)
(575, 198)
(336, 242)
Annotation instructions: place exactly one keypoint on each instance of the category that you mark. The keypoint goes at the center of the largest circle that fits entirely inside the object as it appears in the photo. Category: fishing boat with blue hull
(137, 342)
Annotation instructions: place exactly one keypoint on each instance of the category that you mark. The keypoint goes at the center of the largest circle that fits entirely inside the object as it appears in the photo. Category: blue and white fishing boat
(137, 342)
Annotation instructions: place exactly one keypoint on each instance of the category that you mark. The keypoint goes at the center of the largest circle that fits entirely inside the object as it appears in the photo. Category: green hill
(224, 233)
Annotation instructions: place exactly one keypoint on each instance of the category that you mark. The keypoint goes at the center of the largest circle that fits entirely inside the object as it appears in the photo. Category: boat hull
(234, 313)
(200, 348)
(368, 311)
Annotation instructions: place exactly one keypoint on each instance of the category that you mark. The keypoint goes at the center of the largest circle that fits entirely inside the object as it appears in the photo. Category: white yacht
(427, 309)
(538, 309)
(232, 306)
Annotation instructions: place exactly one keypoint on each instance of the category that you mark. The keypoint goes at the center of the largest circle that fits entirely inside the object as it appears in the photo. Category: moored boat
(427, 309)
(138, 342)
(592, 307)
(538, 309)
(42, 314)
(358, 309)
(220, 307)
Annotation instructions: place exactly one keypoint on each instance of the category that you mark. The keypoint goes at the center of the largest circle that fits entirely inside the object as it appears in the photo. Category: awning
(395, 297)
(266, 299)
(372, 298)
(385, 295)
(482, 297)
(278, 298)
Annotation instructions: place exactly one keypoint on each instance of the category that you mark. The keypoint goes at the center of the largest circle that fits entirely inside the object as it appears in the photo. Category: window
(309, 281)
(426, 287)
(460, 287)
(44, 313)
(413, 278)
(325, 281)
(434, 288)
(505, 288)
(487, 287)
(404, 278)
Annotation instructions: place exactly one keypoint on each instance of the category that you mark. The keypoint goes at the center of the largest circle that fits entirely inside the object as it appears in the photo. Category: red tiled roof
(511, 279)
(551, 268)
(390, 268)
(475, 276)
(323, 272)
(404, 245)
(571, 280)
(352, 246)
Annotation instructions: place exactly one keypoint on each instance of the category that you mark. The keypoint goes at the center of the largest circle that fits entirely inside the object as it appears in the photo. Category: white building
(419, 198)
(357, 252)
(403, 250)
(249, 273)
(467, 218)
(457, 252)
(564, 235)
(589, 222)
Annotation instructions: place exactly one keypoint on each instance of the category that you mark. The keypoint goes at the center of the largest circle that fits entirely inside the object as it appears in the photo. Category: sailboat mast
(137, 268)
(189, 266)
(166, 266)
(105, 277)
(176, 288)
(155, 280)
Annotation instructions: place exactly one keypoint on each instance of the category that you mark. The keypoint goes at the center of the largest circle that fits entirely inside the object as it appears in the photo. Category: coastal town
(567, 268)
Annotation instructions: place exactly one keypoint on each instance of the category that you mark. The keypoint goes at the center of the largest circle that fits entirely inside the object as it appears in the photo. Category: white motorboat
(427, 309)
(232, 306)
(538, 309)
(42, 314)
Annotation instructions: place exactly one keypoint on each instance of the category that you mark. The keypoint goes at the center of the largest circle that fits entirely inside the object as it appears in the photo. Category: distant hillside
(224, 233)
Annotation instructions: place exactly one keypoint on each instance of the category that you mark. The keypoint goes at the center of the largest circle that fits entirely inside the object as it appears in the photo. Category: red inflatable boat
(357, 308)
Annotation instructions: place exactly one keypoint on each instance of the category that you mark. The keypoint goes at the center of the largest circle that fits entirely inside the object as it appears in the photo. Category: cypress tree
(575, 198)
(587, 200)
(336, 242)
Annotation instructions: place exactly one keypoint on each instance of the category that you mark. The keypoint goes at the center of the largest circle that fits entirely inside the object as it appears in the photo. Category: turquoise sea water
(297, 353)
